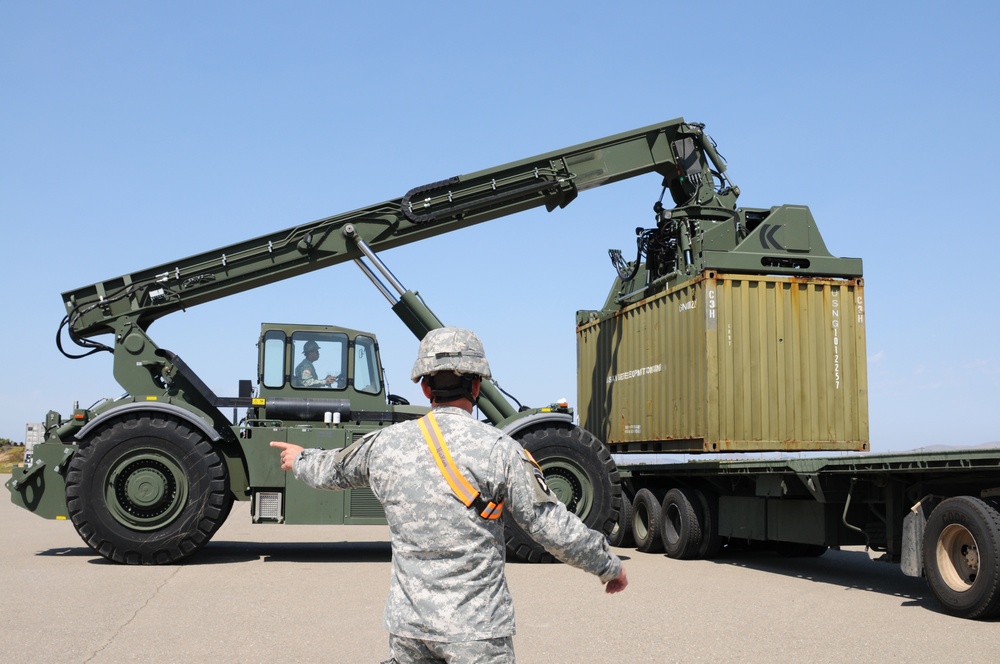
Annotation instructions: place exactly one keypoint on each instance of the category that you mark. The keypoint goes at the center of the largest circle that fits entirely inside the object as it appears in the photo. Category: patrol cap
(451, 349)
(310, 346)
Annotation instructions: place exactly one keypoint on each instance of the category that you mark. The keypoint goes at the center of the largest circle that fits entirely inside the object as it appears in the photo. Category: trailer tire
(711, 541)
(147, 489)
(961, 550)
(579, 470)
(621, 534)
(646, 522)
(681, 524)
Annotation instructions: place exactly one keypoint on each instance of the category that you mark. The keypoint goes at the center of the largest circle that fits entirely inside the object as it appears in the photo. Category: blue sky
(137, 133)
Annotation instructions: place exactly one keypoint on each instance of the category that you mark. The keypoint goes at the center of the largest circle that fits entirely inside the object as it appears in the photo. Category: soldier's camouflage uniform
(305, 372)
(447, 561)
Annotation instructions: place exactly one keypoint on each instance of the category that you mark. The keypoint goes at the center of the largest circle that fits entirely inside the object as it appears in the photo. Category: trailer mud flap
(911, 562)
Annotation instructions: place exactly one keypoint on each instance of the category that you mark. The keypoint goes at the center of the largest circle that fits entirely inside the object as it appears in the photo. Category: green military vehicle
(732, 330)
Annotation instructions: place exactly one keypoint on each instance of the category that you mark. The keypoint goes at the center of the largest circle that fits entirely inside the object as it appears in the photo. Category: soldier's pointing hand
(288, 453)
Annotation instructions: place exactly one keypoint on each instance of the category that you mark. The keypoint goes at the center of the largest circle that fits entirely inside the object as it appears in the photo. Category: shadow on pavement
(222, 552)
(853, 570)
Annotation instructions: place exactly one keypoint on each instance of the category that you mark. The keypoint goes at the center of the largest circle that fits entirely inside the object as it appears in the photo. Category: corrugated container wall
(730, 363)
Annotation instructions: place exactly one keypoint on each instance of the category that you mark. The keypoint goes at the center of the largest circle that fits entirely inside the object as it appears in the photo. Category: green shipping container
(729, 363)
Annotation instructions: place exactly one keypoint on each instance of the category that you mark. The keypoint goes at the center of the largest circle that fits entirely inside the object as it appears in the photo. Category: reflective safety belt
(463, 490)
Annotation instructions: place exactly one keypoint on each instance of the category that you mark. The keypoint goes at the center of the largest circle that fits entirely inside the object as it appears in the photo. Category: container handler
(149, 477)
(733, 330)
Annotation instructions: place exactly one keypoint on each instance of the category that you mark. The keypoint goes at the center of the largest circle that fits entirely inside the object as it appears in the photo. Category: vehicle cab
(320, 373)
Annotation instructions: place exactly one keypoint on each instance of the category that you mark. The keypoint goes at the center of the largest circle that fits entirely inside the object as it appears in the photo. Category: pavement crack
(135, 614)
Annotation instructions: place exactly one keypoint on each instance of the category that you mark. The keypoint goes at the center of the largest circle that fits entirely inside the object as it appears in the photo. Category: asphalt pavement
(275, 593)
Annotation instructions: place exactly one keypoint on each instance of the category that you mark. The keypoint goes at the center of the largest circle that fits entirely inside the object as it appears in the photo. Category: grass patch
(10, 456)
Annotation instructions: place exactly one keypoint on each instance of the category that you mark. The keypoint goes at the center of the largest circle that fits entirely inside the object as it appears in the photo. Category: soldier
(444, 481)
(305, 373)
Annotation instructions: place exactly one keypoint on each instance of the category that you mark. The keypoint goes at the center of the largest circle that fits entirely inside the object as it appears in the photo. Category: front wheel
(579, 470)
(961, 550)
(147, 489)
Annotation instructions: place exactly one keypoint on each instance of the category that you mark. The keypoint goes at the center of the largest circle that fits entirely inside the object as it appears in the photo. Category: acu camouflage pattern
(447, 562)
(305, 373)
(483, 651)
(450, 349)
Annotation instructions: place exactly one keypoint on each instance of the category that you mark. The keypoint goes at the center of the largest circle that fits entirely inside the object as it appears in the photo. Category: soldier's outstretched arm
(536, 509)
(346, 468)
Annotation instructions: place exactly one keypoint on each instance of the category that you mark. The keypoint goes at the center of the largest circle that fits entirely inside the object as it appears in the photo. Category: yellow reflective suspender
(461, 487)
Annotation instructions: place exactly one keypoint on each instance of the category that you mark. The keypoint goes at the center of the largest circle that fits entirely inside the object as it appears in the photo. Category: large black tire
(681, 520)
(621, 534)
(961, 550)
(146, 490)
(711, 542)
(646, 522)
(579, 470)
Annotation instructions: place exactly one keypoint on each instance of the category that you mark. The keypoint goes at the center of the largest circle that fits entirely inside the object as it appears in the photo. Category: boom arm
(553, 180)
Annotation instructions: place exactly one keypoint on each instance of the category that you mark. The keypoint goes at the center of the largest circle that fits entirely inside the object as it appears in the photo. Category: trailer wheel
(711, 541)
(646, 522)
(621, 534)
(147, 490)
(961, 561)
(681, 524)
(579, 470)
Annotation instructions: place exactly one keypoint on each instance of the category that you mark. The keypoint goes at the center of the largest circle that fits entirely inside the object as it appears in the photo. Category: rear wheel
(961, 561)
(147, 489)
(579, 470)
(681, 524)
(646, 522)
(621, 534)
(711, 541)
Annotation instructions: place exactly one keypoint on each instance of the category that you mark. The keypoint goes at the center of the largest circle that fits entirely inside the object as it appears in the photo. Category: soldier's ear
(426, 387)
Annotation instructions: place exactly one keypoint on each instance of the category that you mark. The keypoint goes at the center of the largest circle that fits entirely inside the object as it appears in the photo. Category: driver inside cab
(305, 373)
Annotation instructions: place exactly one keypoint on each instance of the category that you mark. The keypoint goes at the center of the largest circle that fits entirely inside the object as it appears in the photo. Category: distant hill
(952, 448)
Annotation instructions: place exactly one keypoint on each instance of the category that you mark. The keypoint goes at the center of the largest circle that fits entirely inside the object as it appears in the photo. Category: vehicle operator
(444, 481)
(305, 372)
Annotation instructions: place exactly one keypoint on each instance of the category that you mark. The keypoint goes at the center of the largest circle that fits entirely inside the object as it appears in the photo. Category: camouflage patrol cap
(451, 349)
(310, 346)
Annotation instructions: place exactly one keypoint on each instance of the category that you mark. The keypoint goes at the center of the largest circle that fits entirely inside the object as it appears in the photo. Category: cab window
(366, 375)
(319, 360)
(274, 359)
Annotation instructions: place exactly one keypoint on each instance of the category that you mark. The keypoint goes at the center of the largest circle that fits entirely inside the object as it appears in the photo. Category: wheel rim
(145, 490)
(957, 557)
(571, 485)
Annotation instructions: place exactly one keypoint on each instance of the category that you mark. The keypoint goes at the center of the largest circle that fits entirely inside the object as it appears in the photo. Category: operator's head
(451, 363)
(310, 347)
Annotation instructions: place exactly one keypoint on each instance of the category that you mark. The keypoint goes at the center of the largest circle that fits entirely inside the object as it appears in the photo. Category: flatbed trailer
(934, 513)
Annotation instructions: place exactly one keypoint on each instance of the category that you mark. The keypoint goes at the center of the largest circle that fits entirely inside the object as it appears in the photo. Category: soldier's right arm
(346, 468)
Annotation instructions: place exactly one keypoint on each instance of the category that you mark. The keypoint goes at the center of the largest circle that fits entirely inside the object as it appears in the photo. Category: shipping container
(727, 363)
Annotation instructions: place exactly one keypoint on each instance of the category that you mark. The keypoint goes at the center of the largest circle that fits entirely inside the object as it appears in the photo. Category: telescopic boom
(553, 179)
